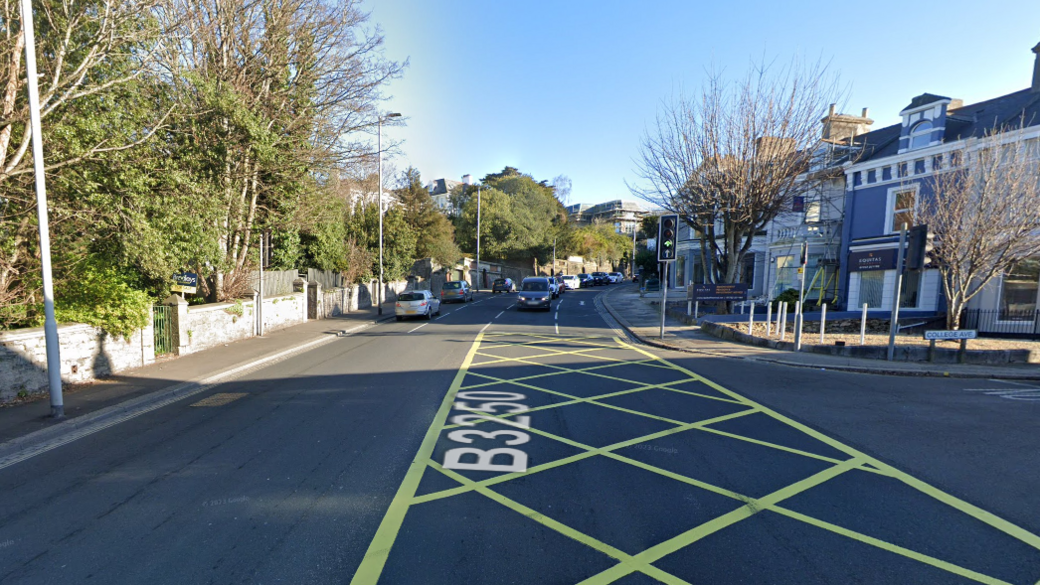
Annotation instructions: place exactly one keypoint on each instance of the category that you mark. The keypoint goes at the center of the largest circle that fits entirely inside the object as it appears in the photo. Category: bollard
(696, 308)
(751, 321)
(798, 325)
(769, 319)
(783, 320)
(689, 308)
(823, 321)
(780, 308)
(741, 308)
(863, 326)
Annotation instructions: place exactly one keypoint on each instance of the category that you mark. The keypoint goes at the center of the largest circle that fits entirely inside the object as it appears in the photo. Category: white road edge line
(557, 329)
(485, 327)
(419, 327)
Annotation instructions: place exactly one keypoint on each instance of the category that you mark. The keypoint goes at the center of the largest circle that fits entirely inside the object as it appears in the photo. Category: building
(815, 217)
(624, 216)
(890, 180)
(440, 191)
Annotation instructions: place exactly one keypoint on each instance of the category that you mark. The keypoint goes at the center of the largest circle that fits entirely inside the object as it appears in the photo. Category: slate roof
(924, 99)
(1011, 111)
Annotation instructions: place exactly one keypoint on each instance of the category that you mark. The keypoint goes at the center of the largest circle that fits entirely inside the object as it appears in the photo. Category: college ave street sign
(952, 334)
(185, 282)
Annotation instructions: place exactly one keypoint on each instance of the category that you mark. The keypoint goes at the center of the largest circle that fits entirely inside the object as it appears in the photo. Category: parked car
(586, 280)
(600, 278)
(503, 285)
(554, 288)
(571, 281)
(616, 277)
(560, 287)
(535, 293)
(456, 290)
(417, 303)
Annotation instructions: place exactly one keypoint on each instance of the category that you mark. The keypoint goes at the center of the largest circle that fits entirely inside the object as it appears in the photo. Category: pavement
(169, 374)
(493, 445)
(641, 317)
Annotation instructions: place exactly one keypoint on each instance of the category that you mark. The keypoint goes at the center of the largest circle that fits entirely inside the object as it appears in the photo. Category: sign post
(185, 282)
(949, 334)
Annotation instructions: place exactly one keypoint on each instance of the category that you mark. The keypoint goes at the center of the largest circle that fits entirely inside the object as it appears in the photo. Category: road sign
(717, 292)
(185, 282)
(952, 334)
(668, 240)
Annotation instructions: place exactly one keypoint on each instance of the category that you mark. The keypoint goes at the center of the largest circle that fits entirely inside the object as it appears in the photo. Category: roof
(442, 186)
(925, 99)
(1008, 112)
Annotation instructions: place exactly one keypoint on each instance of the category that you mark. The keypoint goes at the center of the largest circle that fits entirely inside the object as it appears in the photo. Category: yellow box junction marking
(220, 399)
(374, 561)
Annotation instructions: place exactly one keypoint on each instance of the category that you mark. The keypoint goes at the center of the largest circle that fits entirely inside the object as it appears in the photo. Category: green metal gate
(162, 322)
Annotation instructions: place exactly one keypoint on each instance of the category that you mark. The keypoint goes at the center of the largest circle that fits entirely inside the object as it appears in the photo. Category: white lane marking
(581, 303)
(557, 329)
(485, 327)
(1029, 393)
(499, 315)
(557, 316)
(418, 328)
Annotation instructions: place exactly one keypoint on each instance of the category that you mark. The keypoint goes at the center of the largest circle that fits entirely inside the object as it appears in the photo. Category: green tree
(435, 234)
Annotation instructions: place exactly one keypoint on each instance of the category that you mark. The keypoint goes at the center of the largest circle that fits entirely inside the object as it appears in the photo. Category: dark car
(601, 278)
(503, 285)
(535, 293)
(456, 290)
(586, 280)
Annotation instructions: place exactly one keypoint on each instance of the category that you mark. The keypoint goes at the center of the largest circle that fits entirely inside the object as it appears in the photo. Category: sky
(568, 87)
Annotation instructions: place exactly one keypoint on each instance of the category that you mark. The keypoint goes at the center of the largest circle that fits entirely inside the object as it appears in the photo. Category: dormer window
(921, 134)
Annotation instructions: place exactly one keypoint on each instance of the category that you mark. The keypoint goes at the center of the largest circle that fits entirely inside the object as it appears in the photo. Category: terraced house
(894, 176)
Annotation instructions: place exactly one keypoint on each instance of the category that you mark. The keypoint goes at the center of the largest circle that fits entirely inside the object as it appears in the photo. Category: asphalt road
(497, 446)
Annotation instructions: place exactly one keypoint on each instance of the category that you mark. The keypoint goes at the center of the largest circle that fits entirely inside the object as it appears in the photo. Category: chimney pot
(833, 106)
(865, 112)
(1036, 69)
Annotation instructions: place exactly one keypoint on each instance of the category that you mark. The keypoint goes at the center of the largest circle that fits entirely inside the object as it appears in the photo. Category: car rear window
(411, 297)
(500, 281)
(453, 285)
(536, 286)
(583, 275)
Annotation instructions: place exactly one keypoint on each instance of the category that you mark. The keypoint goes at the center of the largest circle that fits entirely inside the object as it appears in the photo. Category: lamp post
(50, 325)
(379, 293)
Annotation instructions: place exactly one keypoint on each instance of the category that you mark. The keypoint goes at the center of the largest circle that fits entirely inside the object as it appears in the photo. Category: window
(901, 205)
(749, 270)
(921, 134)
(1019, 290)
(910, 291)
(872, 288)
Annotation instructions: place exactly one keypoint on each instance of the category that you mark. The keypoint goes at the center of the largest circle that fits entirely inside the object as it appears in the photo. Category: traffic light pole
(664, 297)
(667, 241)
(894, 325)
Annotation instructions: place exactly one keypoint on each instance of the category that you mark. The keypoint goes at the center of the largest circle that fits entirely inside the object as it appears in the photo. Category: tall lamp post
(50, 325)
(476, 279)
(379, 293)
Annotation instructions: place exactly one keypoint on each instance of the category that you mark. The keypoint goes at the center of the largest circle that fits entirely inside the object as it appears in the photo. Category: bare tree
(985, 211)
(729, 160)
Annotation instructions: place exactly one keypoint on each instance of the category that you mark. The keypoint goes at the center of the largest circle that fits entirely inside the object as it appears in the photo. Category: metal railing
(1002, 323)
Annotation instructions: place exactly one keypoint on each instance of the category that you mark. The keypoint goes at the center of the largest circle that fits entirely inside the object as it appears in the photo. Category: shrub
(102, 297)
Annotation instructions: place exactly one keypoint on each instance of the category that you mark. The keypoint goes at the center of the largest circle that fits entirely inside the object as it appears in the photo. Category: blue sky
(566, 87)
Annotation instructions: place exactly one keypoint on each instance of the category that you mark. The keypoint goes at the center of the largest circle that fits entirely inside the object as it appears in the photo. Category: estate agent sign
(718, 292)
(185, 282)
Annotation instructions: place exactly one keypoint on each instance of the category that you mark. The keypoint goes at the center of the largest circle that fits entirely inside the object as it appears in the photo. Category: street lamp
(476, 279)
(379, 293)
(50, 325)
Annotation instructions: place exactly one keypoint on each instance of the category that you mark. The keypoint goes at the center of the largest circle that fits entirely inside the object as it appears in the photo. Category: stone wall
(216, 324)
(86, 352)
(284, 311)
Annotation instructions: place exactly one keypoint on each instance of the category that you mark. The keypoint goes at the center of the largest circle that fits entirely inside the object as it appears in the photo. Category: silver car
(417, 303)
(535, 293)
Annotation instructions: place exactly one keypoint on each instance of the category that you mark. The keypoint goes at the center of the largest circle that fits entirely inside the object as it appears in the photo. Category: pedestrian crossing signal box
(668, 238)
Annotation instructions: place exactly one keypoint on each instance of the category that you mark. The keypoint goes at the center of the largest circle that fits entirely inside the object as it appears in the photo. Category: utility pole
(50, 324)
(477, 279)
(553, 271)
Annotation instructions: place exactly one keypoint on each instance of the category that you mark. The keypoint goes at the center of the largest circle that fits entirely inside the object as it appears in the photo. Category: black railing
(1002, 323)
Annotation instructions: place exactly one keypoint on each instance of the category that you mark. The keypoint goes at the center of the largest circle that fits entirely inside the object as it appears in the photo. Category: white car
(571, 281)
(417, 303)
(616, 277)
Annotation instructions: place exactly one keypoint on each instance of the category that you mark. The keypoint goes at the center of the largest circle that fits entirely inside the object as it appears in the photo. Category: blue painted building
(891, 178)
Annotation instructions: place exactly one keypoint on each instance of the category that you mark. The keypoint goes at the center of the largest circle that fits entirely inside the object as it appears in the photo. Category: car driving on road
(456, 290)
(503, 285)
(600, 278)
(417, 303)
(586, 280)
(535, 293)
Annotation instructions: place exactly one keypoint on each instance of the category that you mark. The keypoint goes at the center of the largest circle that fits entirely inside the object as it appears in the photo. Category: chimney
(838, 128)
(467, 179)
(1036, 69)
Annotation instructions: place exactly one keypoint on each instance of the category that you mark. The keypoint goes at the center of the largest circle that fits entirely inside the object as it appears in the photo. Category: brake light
(398, 304)
(422, 304)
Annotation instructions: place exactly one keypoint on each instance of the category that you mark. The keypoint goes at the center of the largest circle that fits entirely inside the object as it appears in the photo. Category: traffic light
(919, 244)
(667, 238)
